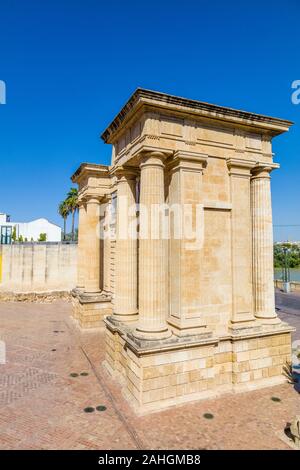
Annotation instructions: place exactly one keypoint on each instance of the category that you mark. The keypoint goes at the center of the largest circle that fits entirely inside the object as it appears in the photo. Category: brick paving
(41, 405)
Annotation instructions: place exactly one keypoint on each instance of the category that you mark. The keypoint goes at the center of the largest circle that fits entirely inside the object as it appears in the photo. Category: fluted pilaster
(262, 235)
(153, 261)
(126, 247)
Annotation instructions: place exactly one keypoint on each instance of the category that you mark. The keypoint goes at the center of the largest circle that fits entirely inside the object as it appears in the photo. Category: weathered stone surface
(89, 309)
(169, 372)
(196, 287)
(38, 297)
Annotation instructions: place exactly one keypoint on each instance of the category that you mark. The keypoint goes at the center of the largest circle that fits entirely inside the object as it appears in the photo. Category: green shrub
(42, 237)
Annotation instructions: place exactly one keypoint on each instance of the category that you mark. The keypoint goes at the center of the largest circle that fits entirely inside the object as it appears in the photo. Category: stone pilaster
(81, 245)
(92, 245)
(262, 237)
(241, 244)
(125, 305)
(153, 252)
(186, 242)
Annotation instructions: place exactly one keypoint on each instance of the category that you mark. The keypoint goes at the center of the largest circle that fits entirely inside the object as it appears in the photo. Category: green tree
(64, 211)
(14, 234)
(42, 237)
(20, 239)
(72, 203)
(293, 255)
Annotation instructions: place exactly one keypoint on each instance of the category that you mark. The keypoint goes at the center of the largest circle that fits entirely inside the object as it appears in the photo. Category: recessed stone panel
(253, 141)
(217, 135)
(171, 126)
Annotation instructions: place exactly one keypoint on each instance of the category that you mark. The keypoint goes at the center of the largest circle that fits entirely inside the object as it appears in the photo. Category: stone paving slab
(41, 405)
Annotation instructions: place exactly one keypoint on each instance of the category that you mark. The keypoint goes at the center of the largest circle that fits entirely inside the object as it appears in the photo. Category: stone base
(36, 297)
(89, 310)
(157, 375)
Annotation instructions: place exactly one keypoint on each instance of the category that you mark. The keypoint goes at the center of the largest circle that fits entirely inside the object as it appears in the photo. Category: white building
(30, 231)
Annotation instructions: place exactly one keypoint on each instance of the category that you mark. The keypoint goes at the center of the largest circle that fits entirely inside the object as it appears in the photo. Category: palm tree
(63, 210)
(72, 203)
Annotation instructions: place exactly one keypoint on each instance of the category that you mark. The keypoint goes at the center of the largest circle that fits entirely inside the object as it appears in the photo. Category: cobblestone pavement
(41, 405)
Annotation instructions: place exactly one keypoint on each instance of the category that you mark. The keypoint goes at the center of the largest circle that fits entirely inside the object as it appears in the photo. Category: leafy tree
(42, 237)
(14, 234)
(293, 255)
(64, 211)
(72, 203)
(20, 239)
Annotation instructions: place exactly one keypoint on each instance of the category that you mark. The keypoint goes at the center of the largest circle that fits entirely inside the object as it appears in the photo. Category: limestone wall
(166, 378)
(38, 267)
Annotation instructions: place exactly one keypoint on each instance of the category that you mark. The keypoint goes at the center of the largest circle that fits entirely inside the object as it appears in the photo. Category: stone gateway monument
(176, 251)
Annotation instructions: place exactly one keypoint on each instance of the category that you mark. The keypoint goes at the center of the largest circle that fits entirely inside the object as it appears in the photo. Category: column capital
(107, 198)
(92, 195)
(123, 173)
(263, 169)
(240, 167)
(153, 159)
(81, 201)
(93, 199)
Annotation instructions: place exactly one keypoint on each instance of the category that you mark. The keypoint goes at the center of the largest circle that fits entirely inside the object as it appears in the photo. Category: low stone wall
(295, 286)
(37, 268)
(35, 297)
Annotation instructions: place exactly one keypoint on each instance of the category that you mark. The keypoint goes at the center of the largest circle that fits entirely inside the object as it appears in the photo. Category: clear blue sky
(69, 65)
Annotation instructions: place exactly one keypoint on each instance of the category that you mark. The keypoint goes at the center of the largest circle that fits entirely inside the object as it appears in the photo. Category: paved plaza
(42, 405)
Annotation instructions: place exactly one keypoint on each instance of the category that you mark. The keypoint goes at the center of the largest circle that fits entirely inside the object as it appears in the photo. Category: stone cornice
(263, 169)
(90, 169)
(142, 97)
